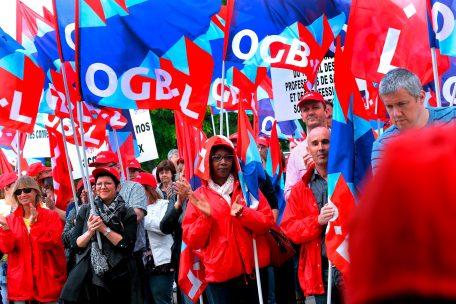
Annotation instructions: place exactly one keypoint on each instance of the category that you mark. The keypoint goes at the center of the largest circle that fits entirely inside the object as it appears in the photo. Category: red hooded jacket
(36, 261)
(300, 224)
(225, 241)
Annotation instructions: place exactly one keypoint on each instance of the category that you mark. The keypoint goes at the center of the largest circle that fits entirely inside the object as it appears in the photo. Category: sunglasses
(25, 190)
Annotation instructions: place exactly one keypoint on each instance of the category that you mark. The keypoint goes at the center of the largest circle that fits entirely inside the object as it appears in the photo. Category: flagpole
(328, 298)
(213, 124)
(85, 177)
(118, 154)
(69, 167)
(222, 97)
(257, 272)
(18, 164)
(436, 77)
(227, 126)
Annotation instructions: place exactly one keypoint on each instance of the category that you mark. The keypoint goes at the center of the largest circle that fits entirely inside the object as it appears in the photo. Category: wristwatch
(108, 231)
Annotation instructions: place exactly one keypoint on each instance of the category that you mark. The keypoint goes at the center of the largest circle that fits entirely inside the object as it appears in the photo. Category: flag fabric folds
(22, 85)
(443, 23)
(274, 169)
(60, 173)
(379, 38)
(349, 158)
(165, 68)
(250, 160)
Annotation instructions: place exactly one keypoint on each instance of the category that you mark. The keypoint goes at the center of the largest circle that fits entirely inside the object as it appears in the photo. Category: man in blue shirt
(403, 96)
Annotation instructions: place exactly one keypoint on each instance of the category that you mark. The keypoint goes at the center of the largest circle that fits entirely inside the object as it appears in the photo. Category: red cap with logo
(81, 183)
(106, 170)
(134, 164)
(145, 178)
(311, 96)
(233, 136)
(263, 141)
(36, 168)
(104, 157)
(7, 179)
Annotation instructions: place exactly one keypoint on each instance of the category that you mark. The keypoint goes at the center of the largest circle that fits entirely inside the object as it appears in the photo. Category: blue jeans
(161, 288)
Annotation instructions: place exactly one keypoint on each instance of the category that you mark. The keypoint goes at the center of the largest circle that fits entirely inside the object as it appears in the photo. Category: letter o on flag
(237, 41)
(90, 80)
(448, 21)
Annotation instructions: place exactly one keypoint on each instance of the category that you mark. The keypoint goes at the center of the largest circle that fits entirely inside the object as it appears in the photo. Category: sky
(8, 12)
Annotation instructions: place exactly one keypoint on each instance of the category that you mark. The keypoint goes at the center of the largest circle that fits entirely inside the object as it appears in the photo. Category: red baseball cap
(311, 96)
(234, 136)
(134, 164)
(8, 179)
(104, 157)
(81, 184)
(106, 170)
(145, 178)
(263, 141)
(36, 168)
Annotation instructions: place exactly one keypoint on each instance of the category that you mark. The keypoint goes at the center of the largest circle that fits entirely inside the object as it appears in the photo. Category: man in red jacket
(306, 216)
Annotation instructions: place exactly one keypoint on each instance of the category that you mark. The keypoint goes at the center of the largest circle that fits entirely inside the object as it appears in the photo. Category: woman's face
(24, 198)
(165, 176)
(221, 163)
(106, 188)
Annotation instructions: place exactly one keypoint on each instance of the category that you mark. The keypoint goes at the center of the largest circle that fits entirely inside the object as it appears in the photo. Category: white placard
(325, 78)
(288, 88)
(37, 144)
(144, 135)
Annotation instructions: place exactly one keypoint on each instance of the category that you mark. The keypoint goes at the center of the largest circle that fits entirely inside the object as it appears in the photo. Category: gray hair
(398, 79)
(172, 152)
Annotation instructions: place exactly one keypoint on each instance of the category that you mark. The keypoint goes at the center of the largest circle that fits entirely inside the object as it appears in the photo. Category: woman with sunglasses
(219, 224)
(104, 275)
(31, 238)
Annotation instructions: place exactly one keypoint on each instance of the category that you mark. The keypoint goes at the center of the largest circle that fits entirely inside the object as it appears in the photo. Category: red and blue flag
(349, 157)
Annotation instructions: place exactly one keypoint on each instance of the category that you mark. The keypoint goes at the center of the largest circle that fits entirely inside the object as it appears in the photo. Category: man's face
(133, 172)
(263, 151)
(404, 109)
(174, 158)
(318, 146)
(313, 114)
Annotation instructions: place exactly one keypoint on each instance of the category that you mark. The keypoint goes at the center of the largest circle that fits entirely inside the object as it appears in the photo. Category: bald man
(306, 216)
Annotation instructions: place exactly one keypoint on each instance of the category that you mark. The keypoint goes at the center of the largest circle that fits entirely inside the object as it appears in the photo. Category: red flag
(94, 135)
(20, 97)
(393, 34)
(191, 274)
(176, 90)
(315, 51)
(60, 173)
(5, 166)
(190, 140)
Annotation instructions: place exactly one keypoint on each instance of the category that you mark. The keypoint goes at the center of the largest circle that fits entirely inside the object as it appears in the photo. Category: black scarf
(108, 257)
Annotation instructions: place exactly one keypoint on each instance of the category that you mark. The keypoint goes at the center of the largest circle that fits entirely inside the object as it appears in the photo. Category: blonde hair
(27, 182)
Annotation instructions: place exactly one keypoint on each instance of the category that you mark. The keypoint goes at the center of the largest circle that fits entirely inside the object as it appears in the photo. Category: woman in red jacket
(218, 222)
(31, 236)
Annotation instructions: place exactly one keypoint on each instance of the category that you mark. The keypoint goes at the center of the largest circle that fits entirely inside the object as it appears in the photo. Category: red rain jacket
(36, 261)
(300, 224)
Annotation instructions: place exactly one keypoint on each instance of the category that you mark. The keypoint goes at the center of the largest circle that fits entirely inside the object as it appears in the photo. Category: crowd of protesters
(124, 246)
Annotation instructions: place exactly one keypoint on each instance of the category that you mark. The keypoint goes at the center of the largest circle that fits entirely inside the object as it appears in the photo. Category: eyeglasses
(25, 190)
(218, 158)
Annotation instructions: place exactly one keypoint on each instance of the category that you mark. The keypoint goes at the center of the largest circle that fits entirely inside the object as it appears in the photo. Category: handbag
(280, 247)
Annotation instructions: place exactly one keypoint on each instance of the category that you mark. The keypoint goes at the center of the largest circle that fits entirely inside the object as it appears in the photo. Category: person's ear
(422, 97)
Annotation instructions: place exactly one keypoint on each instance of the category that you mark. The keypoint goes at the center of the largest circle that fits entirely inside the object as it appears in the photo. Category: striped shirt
(436, 115)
